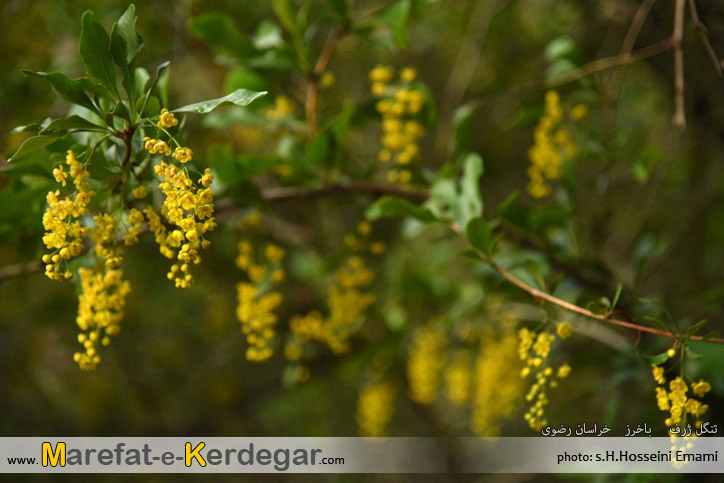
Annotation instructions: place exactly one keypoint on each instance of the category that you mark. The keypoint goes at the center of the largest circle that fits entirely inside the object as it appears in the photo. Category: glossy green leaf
(71, 122)
(654, 360)
(126, 30)
(94, 48)
(240, 97)
(30, 145)
(94, 88)
(69, 89)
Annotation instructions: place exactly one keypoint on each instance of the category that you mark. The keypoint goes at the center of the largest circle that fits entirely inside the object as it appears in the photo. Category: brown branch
(20, 269)
(591, 68)
(626, 48)
(540, 295)
(698, 25)
(378, 189)
(679, 116)
(312, 98)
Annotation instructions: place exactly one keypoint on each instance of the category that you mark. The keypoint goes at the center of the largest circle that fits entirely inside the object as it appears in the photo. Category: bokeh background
(179, 367)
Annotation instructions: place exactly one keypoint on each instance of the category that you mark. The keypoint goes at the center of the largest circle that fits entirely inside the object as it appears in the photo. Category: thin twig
(312, 98)
(626, 48)
(590, 68)
(463, 70)
(379, 189)
(679, 116)
(705, 38)
(540, 295)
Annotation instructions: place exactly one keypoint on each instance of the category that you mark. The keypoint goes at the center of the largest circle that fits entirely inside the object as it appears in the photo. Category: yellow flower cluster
(361, 242)
(676, 401)
(103, 294)
(457, 377)
(552, 148)
(189, 209)
(135, 227)
(564, 330)
(156, 146)
(398, 106)
(375, 408)
(166, 119)
(282, 108)
(534, 350)
(347, 302)
(64, 230)
(139, 193)
(256, 299)
(424, 363)
(497, 385)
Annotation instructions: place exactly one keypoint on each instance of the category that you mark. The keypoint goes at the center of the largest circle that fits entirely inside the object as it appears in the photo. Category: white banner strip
(361, 455)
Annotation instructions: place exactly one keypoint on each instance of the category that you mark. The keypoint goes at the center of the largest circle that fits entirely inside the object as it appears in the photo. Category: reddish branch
(312, 98)
(540, 295)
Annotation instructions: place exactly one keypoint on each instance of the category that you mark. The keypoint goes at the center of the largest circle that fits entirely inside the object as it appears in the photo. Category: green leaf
(30, 145)
(94, 88)
(71, 122)
(126, 30)
(712, 352)
(268, 36)
(619, 289)
(480, 235)
(656, 360)
(560, 48)
(318, 148)
(471, 199)
(95, 52)
(284, 10)
(513, 212)
(461, 122)
(118, 53)
(220, 31)
(390, 206)
(160, 69)
(695, 328)
(395, 18)
(240, 97)
(69, 89)
(712, 334)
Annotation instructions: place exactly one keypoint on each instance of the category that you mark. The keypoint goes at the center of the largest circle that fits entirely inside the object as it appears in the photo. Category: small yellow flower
(207, 178)
(408, 74)
(578, 112)
(139, 193)
(564, 330)
(658, 373)
(563, 371)
(167, 119)
(327, 80)
(183, 155)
